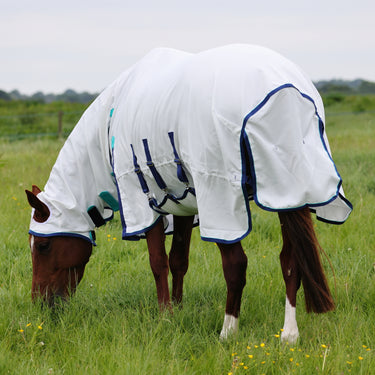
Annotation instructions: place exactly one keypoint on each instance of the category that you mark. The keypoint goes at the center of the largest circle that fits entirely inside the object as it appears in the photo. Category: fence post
(60, 117)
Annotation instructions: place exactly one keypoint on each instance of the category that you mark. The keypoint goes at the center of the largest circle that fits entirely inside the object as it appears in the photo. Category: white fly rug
(193, 134)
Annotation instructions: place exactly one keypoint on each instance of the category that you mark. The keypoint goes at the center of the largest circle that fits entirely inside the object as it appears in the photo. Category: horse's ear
(35, 190)
(41, 213)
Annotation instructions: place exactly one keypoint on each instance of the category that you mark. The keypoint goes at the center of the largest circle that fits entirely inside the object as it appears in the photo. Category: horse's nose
(48, 299)
(56, 299)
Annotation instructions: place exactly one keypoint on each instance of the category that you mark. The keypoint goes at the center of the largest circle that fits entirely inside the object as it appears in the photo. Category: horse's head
(58, 261)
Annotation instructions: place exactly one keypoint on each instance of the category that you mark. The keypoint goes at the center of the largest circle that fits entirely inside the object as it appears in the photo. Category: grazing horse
(183, 139)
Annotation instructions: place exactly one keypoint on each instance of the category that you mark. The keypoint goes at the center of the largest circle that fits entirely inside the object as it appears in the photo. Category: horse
(180, 140)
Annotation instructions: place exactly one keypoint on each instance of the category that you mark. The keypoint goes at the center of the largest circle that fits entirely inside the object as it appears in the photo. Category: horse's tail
(298, 231)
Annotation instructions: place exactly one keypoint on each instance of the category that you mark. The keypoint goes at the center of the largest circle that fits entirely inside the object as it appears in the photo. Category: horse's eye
(43, 247)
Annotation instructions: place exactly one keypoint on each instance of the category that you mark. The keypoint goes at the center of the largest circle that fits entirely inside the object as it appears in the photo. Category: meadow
(112, 325)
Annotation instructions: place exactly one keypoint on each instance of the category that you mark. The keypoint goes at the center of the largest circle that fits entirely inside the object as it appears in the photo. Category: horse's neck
(82, 170)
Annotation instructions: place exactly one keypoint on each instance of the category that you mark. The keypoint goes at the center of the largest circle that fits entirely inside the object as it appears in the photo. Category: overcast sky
(52, 45)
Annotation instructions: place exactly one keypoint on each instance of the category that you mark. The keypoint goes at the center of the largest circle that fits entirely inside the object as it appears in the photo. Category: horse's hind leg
(234, 266)
(292, 283)
(159, 263)
(179, 254)
(292, 280)
(300, 261)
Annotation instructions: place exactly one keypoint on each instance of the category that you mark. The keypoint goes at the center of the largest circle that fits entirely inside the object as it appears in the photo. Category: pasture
(112, 325)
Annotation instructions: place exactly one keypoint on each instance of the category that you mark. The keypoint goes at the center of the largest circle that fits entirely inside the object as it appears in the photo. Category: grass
(112, 325)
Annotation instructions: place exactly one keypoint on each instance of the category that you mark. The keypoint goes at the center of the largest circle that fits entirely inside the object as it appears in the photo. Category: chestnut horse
(98, 161)
(59, 263)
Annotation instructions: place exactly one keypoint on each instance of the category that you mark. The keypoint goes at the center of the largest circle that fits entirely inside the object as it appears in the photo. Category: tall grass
(112, 325)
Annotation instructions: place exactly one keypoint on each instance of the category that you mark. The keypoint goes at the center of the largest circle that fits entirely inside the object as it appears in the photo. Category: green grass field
(112, 325)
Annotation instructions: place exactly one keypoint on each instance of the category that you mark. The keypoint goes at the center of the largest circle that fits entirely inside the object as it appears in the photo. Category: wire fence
(37, 125)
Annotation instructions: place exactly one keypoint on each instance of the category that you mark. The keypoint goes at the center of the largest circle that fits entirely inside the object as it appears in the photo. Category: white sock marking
(290, 331)
(230, 326)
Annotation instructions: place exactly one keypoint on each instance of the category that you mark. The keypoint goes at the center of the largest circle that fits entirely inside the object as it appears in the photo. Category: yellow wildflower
(20, 330)
(28, 324)
(360, 358)
(262, 345)
(250, 356)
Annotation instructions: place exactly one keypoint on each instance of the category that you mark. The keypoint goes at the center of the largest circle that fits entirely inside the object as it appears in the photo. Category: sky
(84, 45)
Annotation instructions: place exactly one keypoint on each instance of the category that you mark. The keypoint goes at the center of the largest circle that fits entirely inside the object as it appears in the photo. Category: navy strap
(139, 173)
(159, 180)
(180, 170)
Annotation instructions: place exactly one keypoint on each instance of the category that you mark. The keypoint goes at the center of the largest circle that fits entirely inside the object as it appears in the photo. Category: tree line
(68, 96)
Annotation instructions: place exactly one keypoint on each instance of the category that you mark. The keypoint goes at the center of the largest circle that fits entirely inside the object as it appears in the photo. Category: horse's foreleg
(179, 254)
(159, 263)
(234, 266)
(292, 280)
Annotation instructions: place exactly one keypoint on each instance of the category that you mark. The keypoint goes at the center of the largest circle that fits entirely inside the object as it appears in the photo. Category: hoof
(289, 337)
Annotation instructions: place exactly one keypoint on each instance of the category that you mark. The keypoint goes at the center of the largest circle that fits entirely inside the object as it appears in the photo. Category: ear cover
(42, 212)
